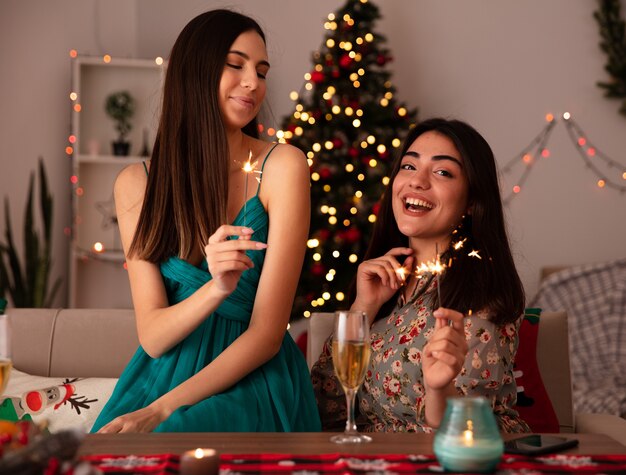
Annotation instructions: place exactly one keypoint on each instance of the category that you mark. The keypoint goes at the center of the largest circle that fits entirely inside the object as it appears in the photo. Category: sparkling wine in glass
(351, 355)
(5, 351)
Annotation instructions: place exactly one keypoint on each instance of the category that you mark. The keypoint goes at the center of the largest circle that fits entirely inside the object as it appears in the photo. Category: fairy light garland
(98, 251)
(537, 148)
(589, 153)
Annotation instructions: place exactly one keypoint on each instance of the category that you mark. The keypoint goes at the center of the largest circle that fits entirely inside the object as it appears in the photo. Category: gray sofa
(72, 342)
(554, 366)
(98, 343)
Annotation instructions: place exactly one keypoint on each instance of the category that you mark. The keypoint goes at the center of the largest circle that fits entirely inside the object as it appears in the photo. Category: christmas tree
(348, 122)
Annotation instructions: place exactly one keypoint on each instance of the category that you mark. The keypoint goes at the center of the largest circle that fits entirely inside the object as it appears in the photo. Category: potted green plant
(120, 106)
(25, 279)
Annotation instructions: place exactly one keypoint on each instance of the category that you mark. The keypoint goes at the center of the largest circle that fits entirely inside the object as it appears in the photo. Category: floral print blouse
(391, 398)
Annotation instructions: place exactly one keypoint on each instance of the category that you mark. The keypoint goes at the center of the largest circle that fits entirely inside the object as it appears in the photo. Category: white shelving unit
(98, 279)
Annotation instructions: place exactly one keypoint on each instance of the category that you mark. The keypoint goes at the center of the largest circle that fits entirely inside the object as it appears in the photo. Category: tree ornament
(325, 173)
(318, 269)
(345, 61)
(376, 208)
(317, 77)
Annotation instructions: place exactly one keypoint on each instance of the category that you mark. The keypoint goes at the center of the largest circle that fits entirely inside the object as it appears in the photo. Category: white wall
(501, 65)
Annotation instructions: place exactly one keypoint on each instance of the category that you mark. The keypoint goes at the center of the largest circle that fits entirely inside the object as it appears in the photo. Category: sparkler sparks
(436, 267)
(459, 244)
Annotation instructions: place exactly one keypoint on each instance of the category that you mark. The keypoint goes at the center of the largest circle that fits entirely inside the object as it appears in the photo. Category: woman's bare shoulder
(286, 158)
(130, 186)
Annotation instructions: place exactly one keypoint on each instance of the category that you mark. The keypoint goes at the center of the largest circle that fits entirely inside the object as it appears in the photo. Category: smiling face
(242, 85)
(430, 191)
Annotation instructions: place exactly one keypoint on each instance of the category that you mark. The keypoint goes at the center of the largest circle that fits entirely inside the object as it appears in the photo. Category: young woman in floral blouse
(443, 195)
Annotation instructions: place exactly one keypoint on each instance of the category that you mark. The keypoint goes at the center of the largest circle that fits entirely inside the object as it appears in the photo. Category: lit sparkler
(248, 167)
(438, 268)
(435, 267)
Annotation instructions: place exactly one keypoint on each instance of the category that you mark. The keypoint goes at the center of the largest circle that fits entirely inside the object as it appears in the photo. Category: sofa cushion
(81, 342)
(533, 402)
(62, 403)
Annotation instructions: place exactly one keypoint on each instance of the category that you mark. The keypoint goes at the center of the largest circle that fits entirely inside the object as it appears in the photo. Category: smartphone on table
(536, 444)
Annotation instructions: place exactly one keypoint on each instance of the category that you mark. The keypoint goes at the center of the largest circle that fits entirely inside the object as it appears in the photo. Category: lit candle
(468, 444)
(200, 462)
(468, 435)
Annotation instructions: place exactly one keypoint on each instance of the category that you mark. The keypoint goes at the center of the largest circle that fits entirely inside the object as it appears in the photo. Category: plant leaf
(31, 246)
(46, 203)
(53, 292)
(17, 293)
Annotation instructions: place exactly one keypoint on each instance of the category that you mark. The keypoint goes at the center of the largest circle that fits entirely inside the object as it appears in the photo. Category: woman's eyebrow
(245, 56)
(437, 158)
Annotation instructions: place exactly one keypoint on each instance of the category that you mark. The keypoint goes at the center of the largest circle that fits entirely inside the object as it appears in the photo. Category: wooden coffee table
(295, 443)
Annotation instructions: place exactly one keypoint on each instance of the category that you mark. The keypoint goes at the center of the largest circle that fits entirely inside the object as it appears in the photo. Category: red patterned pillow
(533, 402)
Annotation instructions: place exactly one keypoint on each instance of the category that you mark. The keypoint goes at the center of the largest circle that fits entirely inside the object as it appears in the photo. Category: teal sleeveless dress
(276, 397)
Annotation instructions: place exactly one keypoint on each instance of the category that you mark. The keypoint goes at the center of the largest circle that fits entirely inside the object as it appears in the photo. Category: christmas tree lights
(348, 121)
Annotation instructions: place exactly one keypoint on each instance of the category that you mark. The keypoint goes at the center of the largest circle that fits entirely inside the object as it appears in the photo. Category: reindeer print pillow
(61, 403)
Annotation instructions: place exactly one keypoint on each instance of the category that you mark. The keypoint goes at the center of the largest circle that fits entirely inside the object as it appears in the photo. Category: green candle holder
(468, 439)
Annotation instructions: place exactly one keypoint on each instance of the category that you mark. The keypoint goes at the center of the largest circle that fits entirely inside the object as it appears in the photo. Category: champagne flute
(5, 351)
(351, 355)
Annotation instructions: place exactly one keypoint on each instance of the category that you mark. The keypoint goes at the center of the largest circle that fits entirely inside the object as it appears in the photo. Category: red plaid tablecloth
(357, 464)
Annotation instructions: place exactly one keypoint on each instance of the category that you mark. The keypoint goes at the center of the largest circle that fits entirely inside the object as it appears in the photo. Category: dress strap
(263, 166)
(145, 167)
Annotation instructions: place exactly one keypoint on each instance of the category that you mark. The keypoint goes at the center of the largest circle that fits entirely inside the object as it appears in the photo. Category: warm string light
(586, 150)
(590, 155)
(536, 147)
(97, 250)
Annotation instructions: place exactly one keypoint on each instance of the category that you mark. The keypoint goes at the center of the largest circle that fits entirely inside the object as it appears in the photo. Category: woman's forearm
(251, 350)
(160, 329)
(435, 404)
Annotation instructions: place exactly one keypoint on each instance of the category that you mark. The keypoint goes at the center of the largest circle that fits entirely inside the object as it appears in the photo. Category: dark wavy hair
(491, 282)
(187, 191)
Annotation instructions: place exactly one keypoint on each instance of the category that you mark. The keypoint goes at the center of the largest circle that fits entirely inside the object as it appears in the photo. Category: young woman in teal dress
(429, 343)
(213, 279)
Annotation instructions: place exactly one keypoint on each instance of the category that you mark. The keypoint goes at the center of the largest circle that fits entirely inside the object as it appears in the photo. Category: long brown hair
(491, 282)
(187, 191)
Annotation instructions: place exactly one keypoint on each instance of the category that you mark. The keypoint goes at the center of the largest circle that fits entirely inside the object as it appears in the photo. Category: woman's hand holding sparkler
(380, 278)
(444, 355)
(227, 259)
